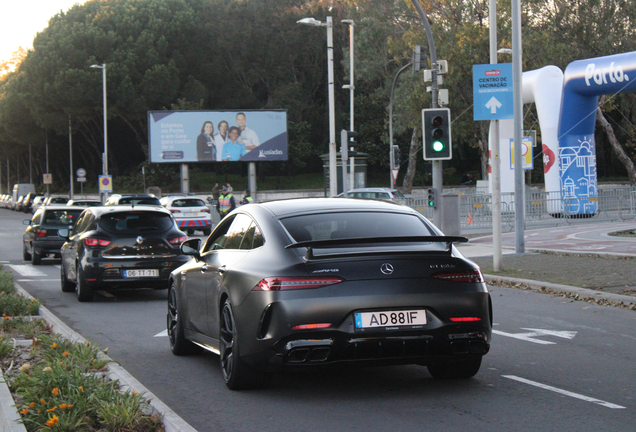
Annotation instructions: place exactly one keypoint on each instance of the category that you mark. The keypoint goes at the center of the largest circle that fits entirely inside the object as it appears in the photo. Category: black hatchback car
(120, 247)
(41, 237)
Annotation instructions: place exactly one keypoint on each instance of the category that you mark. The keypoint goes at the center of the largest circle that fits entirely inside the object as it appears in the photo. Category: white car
(376, 193)
(190, 213)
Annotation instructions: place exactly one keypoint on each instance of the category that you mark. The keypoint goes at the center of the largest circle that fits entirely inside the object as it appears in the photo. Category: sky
(22, 19)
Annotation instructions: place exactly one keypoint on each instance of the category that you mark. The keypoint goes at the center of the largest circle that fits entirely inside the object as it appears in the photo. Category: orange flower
(63, 406)
(81, 388)
(53, 421)
(24, 411)
(6, 317)
(52, 409)
(65, 353)
(32, 404)
(54, 345)
(43, 401)
(55, 391)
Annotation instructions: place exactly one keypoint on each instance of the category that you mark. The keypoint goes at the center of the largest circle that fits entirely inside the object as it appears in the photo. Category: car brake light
(461, 276)
(311, 326)
(205, 210)
(176, 241)
(465, 319)
(40, 233)
(293, 283)
(93, 242)
(175, 211)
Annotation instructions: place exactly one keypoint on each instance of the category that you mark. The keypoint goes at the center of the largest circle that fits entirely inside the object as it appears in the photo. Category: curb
(9, 417)
(584, 293)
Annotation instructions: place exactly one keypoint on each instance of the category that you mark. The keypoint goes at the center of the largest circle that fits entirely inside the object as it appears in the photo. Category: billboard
(217, 136)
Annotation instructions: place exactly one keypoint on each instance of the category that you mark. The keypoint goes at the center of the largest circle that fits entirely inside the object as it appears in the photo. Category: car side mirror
(26, 222)
(63, 233)
(191, 247)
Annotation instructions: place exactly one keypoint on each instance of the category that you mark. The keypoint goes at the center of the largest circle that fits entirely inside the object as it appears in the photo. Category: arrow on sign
(493, 104)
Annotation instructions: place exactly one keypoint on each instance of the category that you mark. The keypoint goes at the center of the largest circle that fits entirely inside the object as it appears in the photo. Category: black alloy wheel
(236, 373)
(462, 369)
(36, 258)
(178, 343)
(67, 285)
(84, 292)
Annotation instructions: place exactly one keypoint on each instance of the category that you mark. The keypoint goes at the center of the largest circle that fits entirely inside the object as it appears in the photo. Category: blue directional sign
(492, 92)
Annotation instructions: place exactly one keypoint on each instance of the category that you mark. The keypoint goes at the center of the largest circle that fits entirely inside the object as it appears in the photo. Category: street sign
(81, 179)
(492, 92)
(394, 174)
(526, 153)
(105, 184)
(81, 172)
(47, 178)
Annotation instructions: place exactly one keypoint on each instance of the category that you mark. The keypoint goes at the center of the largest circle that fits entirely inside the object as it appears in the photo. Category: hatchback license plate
(140, 273)
(390, 319)
(191, 214)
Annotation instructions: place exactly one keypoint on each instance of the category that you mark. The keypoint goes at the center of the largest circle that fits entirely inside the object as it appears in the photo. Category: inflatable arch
(544, 87)
(584, 81)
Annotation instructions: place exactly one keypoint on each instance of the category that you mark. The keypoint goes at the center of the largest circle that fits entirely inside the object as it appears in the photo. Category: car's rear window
(61, 217)
(139, 201)
(136, 221)
(188, 202)
(58, 201)
(327, 226)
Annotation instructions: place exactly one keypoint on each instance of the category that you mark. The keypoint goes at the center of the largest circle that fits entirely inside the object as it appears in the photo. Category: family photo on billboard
(217, 136)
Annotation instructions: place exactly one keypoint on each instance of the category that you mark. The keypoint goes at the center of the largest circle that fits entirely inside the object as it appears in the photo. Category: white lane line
(525, 336)
(162, 334)
(27, 270)
(38, 280)
(564, 392)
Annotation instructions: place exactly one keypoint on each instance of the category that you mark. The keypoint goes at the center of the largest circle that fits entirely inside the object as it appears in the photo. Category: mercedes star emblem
(140, 240)
(386, 269)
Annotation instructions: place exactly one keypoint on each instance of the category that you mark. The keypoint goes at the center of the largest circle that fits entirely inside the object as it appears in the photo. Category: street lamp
(105, 155)
(351, 88)
(333, 179)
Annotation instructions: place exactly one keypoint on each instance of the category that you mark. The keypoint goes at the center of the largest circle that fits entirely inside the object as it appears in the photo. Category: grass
(60, 385)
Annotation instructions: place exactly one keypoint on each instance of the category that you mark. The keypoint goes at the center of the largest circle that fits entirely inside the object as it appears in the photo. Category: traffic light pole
(437, 164)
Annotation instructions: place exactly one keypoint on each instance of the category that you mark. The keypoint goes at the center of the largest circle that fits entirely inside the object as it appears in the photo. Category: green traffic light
(431, 203)
(438, 146)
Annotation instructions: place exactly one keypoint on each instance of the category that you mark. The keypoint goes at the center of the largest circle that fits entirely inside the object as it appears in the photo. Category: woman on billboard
(206, 150)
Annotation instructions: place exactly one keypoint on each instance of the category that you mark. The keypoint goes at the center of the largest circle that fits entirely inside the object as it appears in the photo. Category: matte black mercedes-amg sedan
(313, 282)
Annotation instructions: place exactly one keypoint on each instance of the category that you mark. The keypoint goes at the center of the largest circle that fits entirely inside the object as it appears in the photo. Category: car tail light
(40, 233)
(175, 211)
(176, 241)
(465, 319)
(461, 276)
(205, 210)
(311, 326)
(294, 283)
(93, 242)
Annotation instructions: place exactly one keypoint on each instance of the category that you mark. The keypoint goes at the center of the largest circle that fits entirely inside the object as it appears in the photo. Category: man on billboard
(233, 150)
(248, 137)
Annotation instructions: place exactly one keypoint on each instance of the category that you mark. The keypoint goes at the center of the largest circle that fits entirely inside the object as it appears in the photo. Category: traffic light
(351, 137)
(420, 55)
(432, 198)
(397, 157)
(437, 134)
(348, 143)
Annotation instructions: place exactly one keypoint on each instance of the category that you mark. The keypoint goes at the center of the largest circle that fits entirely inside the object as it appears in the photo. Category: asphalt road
(555, 364)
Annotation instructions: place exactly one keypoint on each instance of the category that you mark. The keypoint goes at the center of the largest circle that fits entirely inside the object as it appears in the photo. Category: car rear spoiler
(334, 243)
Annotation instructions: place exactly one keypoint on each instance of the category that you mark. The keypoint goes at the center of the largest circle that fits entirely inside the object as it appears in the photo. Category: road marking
(38, 280)
(27, 270)
(564, 392)
(162, 334)
(538, 332)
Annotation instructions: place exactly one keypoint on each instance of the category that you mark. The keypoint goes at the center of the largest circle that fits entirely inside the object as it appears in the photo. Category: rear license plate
(141, 273)
(191, 214)
(391, 320)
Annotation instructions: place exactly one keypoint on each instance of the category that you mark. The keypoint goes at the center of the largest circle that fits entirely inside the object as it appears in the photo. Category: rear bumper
(47, 246)
(109, 273)
(194, 223)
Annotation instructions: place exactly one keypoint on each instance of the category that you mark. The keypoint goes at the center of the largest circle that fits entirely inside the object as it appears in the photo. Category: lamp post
(105, 155)
(333, 179)
(351, 88)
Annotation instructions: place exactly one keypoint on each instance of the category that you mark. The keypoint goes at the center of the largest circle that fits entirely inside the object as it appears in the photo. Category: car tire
(36, 258)
(25, 255)
(206, 232)
(190, 232)
(67, 285)
(178, 343)
(84, 292)
(462, 369)
(236, 373)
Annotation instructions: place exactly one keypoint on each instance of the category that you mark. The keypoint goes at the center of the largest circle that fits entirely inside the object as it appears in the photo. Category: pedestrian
(226, 202)
(466, 179)
(247, 197)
